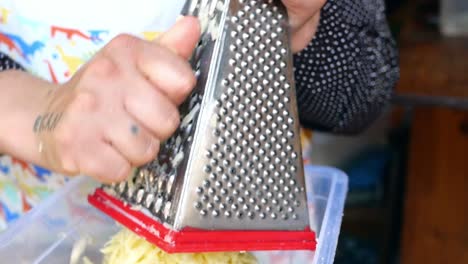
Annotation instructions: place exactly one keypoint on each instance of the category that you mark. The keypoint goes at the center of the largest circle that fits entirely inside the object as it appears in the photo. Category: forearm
(346, 76)
(21, 101)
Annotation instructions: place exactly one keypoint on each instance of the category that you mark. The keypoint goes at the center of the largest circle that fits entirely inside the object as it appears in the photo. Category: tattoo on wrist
(47, 122)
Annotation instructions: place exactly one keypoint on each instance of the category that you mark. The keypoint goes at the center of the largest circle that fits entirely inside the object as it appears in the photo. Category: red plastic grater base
(198, 240)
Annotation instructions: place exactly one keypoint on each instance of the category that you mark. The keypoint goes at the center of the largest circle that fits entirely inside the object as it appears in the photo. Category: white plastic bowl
(48, 233)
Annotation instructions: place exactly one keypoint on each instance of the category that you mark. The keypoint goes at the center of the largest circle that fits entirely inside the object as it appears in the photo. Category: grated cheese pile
(128, 248)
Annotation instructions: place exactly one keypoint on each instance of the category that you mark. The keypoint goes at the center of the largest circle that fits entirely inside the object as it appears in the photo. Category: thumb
(183, 37)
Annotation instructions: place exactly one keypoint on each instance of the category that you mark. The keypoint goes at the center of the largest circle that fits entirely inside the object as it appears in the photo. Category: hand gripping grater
(231, 178)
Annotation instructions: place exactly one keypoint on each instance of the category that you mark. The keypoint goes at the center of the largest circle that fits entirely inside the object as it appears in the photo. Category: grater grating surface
(234, 166)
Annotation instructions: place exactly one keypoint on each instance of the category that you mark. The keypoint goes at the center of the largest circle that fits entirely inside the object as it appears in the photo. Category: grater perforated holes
(139, 196)
(209, 206)
(254, 186)
(259, 181)
(244, 157)
(211, 191)
(260, 102)
(282, 168)
(121, 187)
(222, 206)
(227, 149)
(242, 187)
(157, 205)
(215, 213)
(129, 192)
(206, 183)
(233, 155)
(239, 215)
(292, 196)
(248, 179)
(225, 177)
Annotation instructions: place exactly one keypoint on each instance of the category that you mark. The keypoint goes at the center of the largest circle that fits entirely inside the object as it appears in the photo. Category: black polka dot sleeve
(6, 63)
(346, 75)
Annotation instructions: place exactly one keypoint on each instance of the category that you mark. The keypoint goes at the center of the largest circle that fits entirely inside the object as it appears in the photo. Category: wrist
(23, 99)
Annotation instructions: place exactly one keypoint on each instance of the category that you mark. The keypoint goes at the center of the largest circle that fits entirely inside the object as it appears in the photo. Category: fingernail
(150, 146)
(123, 173)
(152, 149)
(162, 34)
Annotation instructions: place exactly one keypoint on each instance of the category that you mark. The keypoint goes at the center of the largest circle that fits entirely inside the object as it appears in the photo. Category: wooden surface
(434, 67)
(436, 209)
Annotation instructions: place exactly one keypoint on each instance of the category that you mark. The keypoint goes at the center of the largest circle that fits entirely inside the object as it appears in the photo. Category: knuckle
(158, 49)
(149, 154)
(147, 52)
(152, 152)
(171, 123)
(187, 82)
(124, 173)
(84, 102)
(156, 148)
(102, 67)
(123, 41)
(167, 117)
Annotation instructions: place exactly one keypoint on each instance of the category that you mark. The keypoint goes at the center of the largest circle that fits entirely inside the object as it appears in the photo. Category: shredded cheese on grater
(128, 248)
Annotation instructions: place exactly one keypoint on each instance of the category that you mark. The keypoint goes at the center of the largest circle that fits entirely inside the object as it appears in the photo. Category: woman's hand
(304, 16)
(114, 113)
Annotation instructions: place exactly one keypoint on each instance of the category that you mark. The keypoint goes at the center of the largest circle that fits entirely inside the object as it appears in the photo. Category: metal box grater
(231, 177)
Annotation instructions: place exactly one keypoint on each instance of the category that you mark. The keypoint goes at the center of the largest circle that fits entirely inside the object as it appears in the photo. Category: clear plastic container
(49, 233)
(454, 17)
